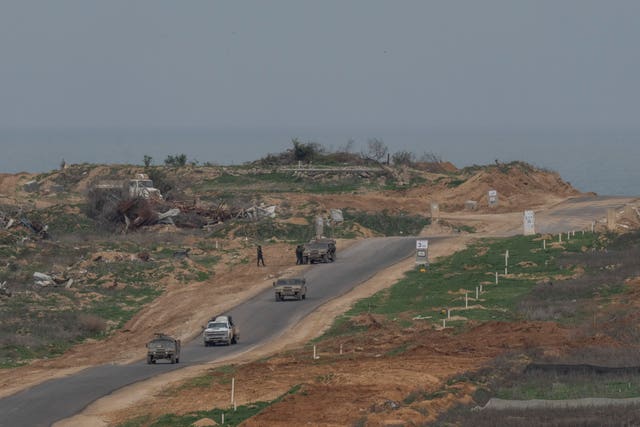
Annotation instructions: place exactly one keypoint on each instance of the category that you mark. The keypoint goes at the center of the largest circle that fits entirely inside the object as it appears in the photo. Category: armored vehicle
(290, 288)
(163, 346)
(220, 330)
(319, 250)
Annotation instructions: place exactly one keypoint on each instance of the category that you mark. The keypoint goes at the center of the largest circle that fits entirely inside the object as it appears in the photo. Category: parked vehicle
(220, 330)
(290, 288)
(319, 250)
(163, 346)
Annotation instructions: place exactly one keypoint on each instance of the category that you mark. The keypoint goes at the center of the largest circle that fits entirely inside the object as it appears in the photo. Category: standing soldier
(299, 250)
(260, 258)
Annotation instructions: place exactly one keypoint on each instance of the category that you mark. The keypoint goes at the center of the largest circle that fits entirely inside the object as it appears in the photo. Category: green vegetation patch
(384, 223)
(443, 286)
(537, 385)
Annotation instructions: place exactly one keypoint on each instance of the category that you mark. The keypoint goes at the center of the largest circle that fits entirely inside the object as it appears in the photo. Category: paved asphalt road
(260, 319)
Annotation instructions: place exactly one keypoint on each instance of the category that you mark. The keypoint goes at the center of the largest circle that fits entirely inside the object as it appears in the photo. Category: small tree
(147, 160)
(178, 160)
(376, 150)
(403, 158)
(305, 152)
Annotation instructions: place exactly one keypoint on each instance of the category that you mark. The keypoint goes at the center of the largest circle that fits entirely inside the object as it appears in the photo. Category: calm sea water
(603, 162)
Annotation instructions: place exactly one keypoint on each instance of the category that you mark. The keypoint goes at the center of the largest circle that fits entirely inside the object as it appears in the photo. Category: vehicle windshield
(162, 343)
(317, 246)
(290, 281)
(216, 325)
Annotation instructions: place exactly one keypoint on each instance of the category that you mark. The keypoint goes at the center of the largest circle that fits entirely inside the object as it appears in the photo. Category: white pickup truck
(220, 330)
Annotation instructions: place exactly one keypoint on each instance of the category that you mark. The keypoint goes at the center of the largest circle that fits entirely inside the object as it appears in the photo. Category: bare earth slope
(183, 308)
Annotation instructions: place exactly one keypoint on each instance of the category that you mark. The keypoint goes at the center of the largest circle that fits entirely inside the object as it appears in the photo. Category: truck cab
(220, 330)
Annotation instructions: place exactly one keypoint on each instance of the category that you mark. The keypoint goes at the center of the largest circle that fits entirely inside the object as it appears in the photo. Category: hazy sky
(360, 63)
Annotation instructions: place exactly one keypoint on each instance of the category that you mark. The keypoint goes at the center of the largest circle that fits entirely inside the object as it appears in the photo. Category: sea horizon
(597, 161)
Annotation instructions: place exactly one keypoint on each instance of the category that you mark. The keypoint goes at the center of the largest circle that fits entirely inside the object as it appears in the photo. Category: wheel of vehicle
(173, 360)
(305, 260)
(177, 360)
(278, 297)
(149, 360)
(234, 340)
(304, 296)
(229, 341)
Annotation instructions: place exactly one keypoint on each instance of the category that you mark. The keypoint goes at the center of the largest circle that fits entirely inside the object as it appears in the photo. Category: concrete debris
(255, 213)
(44, 280)
(336, 215)
(4, 292)
(166, 218)
(31, 186)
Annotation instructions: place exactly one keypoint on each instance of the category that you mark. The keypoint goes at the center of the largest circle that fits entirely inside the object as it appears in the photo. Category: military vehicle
(163, 346)
(220, 330)
(319, 250)
(290, 288)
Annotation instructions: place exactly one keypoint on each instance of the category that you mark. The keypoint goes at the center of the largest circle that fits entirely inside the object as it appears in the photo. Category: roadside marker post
(496, 277)
(233, 390)
(544, 244)
(477, 293)
(466, 300)
(448, 313)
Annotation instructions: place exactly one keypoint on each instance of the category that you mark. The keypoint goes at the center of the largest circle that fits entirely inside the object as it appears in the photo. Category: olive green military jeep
(163, 346)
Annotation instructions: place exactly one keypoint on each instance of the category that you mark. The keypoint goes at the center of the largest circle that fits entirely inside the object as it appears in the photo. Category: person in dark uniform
(260, 257)
(299, 250)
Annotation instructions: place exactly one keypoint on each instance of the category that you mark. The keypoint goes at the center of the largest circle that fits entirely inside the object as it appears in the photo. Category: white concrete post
(448, 313)
(480, 288)
(315, 356)
(444, 323)
(496, 277)
(568, 235)
(235, 407)
(477, 292)
(506, 258)
(466, 300)
(340, 348)
(544, 244)
(233, 390)
(222, 419)
(505, 271)
(593, 226)
(559, 237)
(216, 243)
